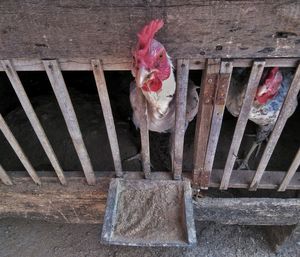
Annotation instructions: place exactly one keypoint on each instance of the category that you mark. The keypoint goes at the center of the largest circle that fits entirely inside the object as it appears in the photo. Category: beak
(142, 76)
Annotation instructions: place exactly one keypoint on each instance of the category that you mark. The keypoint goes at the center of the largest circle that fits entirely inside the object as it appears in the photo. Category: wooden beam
(180, 116)
(216, 123)
(32, 117)
(291, 172)
(79, 203)
(290, 100)
(4, 177)
(52, 29)
(255, 75)
(205, 112)
(108, 116)
(62, 95)
(18, 150)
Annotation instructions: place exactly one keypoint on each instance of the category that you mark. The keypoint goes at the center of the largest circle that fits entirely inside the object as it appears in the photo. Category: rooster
(153, 72)
(266, 106)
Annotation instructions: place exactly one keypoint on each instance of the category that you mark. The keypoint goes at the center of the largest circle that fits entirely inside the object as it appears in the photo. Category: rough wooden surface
(80, 203)
(255, 75)
(4, 177)
(52, 29)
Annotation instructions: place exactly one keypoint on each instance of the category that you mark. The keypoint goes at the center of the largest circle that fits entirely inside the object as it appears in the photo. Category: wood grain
(255, 76)
(108, 116)
(213, 29)
(64, 101)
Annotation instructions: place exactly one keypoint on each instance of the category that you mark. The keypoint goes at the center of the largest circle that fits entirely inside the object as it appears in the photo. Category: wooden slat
(291, 172)
(145, 151)
(216, 123)
(35, 123)
(108, 116)
(206, 97)
(255, 76)
(18, 150)
(280, 123)
(4, 177)
(180, 116)
(62, 95)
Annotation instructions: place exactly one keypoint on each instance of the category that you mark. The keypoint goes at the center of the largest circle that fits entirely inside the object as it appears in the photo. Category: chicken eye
(161, 55)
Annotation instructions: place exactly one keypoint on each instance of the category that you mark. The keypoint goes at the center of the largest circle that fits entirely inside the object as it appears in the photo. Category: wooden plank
(80, 203)
(206, 104)
(255, 76)
(4, 177)
(83, 64)
(62, 95)
(180, 113)
(51, 29)
(144, 132)
(108, 116)
(280, 123)
(291, 172)
(30, 113)
(18, 150)
(217, 117)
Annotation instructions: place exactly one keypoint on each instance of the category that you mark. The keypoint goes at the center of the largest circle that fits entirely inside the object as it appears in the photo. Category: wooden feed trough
(48, 37)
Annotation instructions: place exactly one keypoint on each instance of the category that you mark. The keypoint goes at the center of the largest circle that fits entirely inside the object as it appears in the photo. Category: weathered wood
(80, 203)
(108, 116)
(180, 113)
(18, 150)
(60, 90)
(4, 177)
(291, 172)
(279, 125)
(52, 29)
(32, 117)
(217, 117)
(144, 132)
(83, 64)
(255, 75)
(206, 105)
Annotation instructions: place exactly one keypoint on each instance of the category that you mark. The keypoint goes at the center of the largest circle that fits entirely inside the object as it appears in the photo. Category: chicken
(266, 106)
(153, 72)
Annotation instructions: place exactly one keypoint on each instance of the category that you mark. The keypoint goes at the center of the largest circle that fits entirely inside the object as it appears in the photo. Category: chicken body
(264, 115)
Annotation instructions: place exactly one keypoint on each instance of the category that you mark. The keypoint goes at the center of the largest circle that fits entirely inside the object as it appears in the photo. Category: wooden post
(180, 116)
(4, 177)
(62, 95)
(205, 112)
(108, 116)
(279, 125)
(256, 73)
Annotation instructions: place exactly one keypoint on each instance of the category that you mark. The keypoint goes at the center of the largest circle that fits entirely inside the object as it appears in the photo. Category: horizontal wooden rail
(62, 95)
(289, 102)
(34, 121)
(18, 150)
(256, 73)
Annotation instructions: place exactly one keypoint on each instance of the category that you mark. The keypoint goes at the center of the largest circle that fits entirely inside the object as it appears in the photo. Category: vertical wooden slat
(62, 95)
(280, 123)
(4, 177)
(181, 95)
(255, 76)
(35, 123)
(18, 150)
(216, 123)
(206, 97)
(291, 172)
(144, 133)
(108, 116)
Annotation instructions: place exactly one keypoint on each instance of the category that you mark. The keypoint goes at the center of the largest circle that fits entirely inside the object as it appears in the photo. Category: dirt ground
(26, 238)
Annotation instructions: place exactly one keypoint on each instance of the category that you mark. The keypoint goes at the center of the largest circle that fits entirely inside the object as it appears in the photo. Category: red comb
(147, 34)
